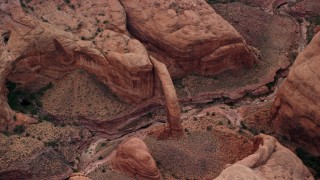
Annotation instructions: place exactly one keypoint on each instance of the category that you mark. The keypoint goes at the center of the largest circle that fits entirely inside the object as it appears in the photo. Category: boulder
(133, 157)
(78, 176)
(295, 110)
(188, 36)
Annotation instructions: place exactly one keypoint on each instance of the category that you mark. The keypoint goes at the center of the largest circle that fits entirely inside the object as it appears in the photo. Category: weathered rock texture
(305, 7)
(174, 126)
(270, 161)
(78, 176)
(296, 107)
(134, 158)
(188, 36)
(34, 53)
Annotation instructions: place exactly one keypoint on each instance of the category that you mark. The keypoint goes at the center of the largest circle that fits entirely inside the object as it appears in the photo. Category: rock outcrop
(270, 161)
(34, 53)
(296, 108)
(305, 7)
(188, 36)
(133, 157)
(78, 176)
(174, 126)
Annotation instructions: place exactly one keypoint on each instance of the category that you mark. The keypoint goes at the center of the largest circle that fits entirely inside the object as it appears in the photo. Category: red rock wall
(36, 53)
(296, 109)
(190, 33)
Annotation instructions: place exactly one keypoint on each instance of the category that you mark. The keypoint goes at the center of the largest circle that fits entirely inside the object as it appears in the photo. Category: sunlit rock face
(270, 161)
(35, 52)
(296, 107)
(133, 157)
(188, 36)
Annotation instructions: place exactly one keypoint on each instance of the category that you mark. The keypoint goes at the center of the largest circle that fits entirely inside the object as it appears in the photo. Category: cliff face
(188, 36)
(296, 107)
(34, 53)
(43, 41)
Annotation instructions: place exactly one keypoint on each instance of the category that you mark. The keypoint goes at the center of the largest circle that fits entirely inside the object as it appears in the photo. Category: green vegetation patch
(24, 101)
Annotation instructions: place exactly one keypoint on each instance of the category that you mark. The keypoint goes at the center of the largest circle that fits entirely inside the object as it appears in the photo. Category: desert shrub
(19, 129)
(24, 101)
(51, 144)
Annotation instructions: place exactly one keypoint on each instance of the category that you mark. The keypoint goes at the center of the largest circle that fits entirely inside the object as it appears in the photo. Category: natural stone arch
(34, 53)
(174, 126)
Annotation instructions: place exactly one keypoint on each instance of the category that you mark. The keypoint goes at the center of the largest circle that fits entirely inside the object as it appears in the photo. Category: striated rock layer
(174, 126)
(133, 157)
(34, 53)
(296, 107)
(188, 36)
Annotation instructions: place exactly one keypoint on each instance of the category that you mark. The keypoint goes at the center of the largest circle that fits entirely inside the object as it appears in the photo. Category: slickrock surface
(277, 47)
(78, 176)
(133, 157)
(34, 53)
(270, 161)
(188, 36)
(296, 107)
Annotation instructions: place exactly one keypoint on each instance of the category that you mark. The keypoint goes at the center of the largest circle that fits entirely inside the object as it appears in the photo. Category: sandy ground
(80, 94)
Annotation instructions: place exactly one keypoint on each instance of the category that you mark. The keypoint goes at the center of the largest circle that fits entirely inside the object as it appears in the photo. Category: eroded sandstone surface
(270, 161)
(296, 107)
(188, 36)
(134, 158)
(81, 91)
(36, 52)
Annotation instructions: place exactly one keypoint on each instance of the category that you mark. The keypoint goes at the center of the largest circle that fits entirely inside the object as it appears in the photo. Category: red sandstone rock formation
(78, 176)
(305, 7)
(174, 123)
(187, 36)
(296, 107)
(133, 157)
(270, 161)
(34, 53)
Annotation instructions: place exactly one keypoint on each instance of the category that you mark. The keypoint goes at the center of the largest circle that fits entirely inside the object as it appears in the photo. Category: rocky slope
(296, 107)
